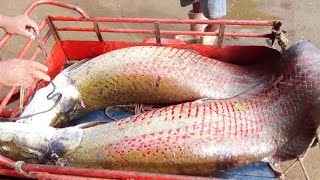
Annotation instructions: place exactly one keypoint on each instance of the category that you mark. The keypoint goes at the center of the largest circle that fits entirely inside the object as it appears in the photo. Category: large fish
(195, 138)
(147, 75)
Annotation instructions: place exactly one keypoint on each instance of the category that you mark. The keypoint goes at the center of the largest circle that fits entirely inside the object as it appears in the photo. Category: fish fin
(271, 82)
(73, 65)
(192, 51)
(203, 99)
(90, 124)
(273, 163)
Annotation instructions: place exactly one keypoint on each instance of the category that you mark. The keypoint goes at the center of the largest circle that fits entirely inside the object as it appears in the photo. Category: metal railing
(19, 169)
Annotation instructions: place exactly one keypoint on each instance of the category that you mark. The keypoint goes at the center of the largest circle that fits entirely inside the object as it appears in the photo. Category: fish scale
(204, 136)
(147, 75)
(197, 137)
(192, 88)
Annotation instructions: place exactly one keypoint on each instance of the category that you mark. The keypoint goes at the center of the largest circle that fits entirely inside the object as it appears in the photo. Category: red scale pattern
(202, 136)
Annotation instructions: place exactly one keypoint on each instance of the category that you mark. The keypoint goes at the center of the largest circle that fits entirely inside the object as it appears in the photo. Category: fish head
(23, 142)
(45, 145)
(50, 105)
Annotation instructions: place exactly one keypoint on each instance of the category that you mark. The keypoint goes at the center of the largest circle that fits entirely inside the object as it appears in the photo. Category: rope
(18, 167)
(282, 40)
(135, 108)
(50, 96)
(31, 98)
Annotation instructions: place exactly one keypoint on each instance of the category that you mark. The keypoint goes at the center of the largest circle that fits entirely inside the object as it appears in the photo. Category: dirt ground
(300, 19)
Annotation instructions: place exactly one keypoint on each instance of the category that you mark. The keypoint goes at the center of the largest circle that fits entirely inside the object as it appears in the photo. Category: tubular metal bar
(13, 173)
(95, 173)
(97, 30)
(44, 40)
(157, 32)
(142, 31)
(55, 33)
(55, 3)
(53, 29)
(7, 36)
(221, 35)
(167, 21)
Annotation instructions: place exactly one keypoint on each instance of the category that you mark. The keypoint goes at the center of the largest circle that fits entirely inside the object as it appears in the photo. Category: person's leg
(213, 9)
(196, 7)
(213, 27)
(185, 3)
(196, 14)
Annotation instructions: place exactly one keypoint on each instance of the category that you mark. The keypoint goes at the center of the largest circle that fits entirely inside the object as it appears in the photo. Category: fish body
(198, 137)
(145, 74)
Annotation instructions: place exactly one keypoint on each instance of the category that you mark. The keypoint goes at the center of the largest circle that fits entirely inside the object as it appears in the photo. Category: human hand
(18, 72)
(21, 25)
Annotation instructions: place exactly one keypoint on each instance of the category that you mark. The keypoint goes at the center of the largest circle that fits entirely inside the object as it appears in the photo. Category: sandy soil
(300, 19)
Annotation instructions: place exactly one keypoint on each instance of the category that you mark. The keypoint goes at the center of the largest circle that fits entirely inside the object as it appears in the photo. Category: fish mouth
(24, 142)
(41, 107)
(38, 145)
(65, 142)
(51, 104)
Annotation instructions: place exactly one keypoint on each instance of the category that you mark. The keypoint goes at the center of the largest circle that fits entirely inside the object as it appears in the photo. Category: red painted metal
(5, 38)
(56, 3)
(7, 98)
(12, 173)
(167, 21)
(53, 30)
(103, 173)
(78, 50)
(164, 41)
(6, 162)
(80, 172)
(221, 35)
(142, 31)
(37, 175)
(65, 177)
(45, 39)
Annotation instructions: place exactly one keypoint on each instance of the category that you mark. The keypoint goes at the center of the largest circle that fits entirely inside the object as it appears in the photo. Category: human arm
(18, 72)
(20, 25)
